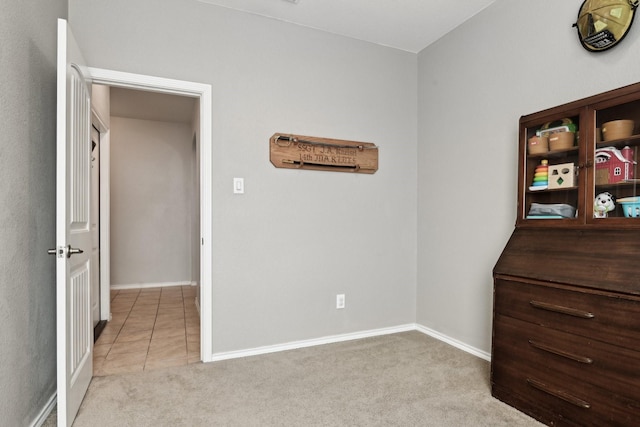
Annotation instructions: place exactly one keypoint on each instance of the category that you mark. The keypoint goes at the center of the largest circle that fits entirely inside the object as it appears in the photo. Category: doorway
(202, 93)
(154, 235)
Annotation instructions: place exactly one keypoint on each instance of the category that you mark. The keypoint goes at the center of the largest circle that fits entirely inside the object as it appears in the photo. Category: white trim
(311, 343)
(45, 412)
(105, 222)
(454, 342)
(348, 337)
(104, 213)
(148, 285)
(203, 92)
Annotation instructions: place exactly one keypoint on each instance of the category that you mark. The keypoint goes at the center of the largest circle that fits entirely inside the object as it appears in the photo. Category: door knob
(61, 250)
(71, 251)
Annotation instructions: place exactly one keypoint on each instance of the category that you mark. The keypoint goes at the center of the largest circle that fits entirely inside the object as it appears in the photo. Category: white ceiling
(409, 25)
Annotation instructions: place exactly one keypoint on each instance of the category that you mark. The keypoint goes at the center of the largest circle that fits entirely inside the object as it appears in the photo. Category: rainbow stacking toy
(541, 176)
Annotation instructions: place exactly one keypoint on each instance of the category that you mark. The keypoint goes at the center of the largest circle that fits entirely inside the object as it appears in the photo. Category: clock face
(603, 23)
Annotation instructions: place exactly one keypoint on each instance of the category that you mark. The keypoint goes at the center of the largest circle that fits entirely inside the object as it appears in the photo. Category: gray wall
(27, 207)
(516, 57)
(295, 239)
(151, 180)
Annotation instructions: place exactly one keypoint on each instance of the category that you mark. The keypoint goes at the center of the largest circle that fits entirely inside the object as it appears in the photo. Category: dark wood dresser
(566, 320)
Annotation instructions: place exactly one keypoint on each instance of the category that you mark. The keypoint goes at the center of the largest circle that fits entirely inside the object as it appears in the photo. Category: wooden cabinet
(595, 162)
(566, 322)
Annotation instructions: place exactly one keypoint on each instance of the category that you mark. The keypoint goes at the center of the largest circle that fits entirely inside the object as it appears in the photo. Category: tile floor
(150, 328)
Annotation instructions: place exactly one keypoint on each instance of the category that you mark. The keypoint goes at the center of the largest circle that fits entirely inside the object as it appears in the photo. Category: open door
(73, 233)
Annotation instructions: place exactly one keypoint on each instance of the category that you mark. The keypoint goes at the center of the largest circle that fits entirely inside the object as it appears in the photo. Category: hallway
(150, 328)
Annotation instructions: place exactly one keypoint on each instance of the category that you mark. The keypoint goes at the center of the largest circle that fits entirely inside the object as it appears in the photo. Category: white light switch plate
(238, 185)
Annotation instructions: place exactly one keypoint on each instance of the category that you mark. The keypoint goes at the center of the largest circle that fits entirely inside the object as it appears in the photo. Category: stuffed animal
(602, 204)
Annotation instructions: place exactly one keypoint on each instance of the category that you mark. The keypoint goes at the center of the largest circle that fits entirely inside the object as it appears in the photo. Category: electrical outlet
(340, 301)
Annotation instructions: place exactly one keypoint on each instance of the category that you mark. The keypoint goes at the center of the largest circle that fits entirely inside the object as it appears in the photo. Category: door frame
(103, 212)
(203, 93)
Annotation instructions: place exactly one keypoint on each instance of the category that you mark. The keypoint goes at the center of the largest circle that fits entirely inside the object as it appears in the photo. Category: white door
(73, 233)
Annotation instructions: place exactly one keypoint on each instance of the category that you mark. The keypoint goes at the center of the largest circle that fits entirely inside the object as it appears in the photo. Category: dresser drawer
(585, 360)
(544, 392)
(607, 318)
(554, 411)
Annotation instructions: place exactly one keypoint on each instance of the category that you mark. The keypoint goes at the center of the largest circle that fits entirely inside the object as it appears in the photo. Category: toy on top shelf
(561, 134)
(617, 129)
(540, 176)
(538, 144)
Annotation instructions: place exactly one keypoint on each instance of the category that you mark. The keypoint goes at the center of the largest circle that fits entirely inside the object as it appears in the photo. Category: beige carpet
(405, 379)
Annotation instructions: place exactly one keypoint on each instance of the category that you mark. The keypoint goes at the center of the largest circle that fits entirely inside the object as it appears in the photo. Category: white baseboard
(454, 342)
(46, 411)
(150, 285)
(310, 343)
(348, 337)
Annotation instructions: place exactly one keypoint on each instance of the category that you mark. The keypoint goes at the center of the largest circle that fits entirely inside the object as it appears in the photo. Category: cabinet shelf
(622, 184)
(555, 153)
(632, 141)
(553, 190)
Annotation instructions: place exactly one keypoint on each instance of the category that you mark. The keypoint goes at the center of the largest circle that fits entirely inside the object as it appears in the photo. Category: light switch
(238, 185)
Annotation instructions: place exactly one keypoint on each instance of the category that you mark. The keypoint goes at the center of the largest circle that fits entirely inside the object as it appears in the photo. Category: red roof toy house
(613, 165)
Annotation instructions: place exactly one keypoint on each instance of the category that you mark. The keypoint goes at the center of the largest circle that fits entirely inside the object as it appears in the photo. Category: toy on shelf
(630, 206)
(562, 176)
(561, 134)
(602, 204)
(540, 176)
(538, 144)
(613, 165)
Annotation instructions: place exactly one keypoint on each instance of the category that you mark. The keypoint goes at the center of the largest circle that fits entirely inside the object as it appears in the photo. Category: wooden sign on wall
(335, 155)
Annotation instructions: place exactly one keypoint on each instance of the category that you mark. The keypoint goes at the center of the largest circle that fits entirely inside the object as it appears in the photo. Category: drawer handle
(560, 394)
(577, 358)
(563, 310)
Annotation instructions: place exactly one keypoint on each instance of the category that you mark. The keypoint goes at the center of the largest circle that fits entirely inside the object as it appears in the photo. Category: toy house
(613, 165)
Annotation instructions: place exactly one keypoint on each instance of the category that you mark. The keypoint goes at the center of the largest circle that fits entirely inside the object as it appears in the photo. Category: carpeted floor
(406, 379)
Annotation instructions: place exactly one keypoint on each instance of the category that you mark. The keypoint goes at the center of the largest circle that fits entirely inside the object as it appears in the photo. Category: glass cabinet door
(550, 181)
(614, 163)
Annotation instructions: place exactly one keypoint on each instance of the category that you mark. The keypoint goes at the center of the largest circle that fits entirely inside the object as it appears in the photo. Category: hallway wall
(151, 224)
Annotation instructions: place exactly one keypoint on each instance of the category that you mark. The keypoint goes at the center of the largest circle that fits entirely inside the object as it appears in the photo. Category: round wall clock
(603, 23)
